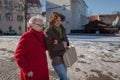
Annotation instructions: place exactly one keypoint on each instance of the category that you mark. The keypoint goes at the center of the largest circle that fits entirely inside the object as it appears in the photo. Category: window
(20, 18)
(9, 17)
(19, 28)
(6, 3)
(0, 17)
(10, 28)
(0, 3)
(19, 7)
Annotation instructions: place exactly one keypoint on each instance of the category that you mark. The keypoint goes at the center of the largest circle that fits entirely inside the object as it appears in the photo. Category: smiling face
(58, 21)
(56, 18)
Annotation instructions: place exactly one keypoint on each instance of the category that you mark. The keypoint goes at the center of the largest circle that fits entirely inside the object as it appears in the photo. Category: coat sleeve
(50, 45)
(21, 52)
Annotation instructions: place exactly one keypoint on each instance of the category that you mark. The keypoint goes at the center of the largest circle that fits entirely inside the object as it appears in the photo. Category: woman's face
(58, 22)
(38, 26)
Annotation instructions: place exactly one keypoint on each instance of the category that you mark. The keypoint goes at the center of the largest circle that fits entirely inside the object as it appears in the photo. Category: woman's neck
(56, 25)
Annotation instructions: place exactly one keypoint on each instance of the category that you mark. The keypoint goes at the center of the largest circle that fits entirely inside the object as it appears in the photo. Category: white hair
(34, 19)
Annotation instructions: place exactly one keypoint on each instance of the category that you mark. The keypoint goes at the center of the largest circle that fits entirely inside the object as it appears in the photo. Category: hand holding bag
(70, 57)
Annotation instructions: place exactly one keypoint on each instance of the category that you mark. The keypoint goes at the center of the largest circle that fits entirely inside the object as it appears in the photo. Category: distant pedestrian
(44, 19)
(30, 52)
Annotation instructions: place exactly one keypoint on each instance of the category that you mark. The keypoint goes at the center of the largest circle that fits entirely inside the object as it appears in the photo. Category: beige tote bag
(70, 57)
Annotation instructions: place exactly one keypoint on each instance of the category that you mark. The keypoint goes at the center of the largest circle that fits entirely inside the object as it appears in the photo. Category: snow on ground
(98, 58)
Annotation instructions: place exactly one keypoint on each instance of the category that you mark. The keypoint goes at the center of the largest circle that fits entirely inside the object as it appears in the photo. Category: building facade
(75, 12)
(34, 7)
(12, 14)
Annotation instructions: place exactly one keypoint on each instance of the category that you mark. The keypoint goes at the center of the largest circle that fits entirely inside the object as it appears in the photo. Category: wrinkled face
(57, 21)
(38, 25)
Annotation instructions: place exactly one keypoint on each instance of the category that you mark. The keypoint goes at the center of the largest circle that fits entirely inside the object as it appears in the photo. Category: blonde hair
(34, 19)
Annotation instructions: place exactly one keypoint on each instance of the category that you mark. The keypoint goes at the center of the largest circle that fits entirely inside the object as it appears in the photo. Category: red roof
(34, 2)
(93, 18)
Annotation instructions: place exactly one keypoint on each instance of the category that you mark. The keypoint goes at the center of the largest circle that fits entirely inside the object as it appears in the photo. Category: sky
(43, 2)
(102, 6)
(96, 6)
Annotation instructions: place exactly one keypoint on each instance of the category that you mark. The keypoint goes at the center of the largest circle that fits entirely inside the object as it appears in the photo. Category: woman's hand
(65, 44)
(55, 41)
(30, 74)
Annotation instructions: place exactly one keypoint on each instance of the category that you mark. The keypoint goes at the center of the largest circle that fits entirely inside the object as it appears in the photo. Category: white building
(75, 12)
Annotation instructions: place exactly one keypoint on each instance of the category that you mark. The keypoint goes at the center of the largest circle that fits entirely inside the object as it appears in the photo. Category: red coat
(30, 56)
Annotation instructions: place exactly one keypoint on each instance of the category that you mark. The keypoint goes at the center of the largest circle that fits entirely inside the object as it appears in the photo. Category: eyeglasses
(41, 25)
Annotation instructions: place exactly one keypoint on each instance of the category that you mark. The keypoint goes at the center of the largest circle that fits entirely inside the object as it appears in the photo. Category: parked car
(10, 32)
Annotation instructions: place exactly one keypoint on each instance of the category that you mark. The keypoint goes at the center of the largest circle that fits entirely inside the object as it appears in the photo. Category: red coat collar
(36, 32)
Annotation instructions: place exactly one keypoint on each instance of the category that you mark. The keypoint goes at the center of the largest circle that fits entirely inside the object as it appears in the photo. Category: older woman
(57, 43)
(30, 52)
